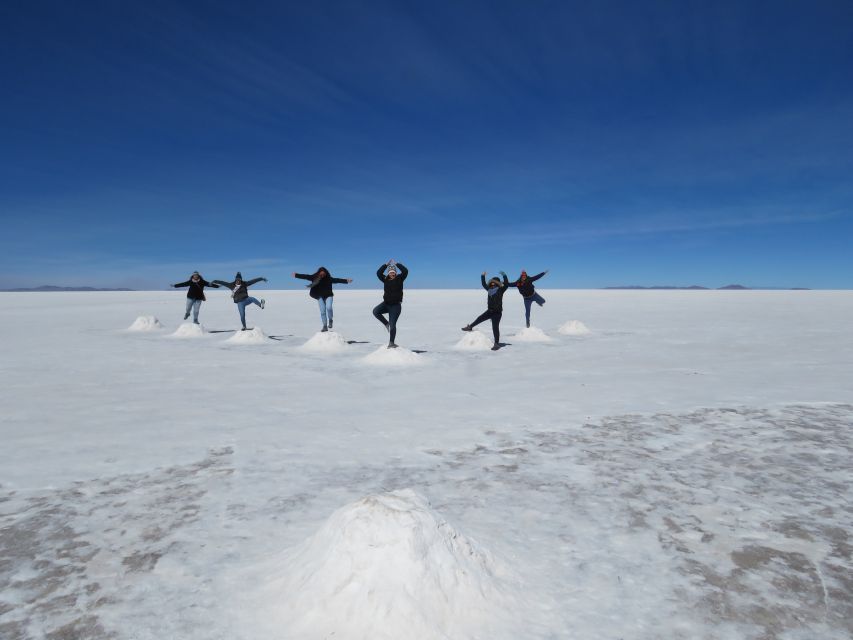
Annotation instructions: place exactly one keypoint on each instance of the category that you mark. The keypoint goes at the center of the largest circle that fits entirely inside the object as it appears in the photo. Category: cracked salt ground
(713, 524)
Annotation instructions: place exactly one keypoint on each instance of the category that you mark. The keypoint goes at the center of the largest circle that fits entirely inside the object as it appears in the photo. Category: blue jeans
(528, 302)
(325, 309)
(193, 305)
(241, 307)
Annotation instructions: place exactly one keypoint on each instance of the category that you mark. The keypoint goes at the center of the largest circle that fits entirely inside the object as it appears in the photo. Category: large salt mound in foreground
(574, 328)
(250, 336)
(532, 334)
(474, 341)
(325, 342)
(145, 323)
(189, 330)
(388, 567)
(398, 357)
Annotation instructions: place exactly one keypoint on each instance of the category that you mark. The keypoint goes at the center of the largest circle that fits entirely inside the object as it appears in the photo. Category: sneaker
(467, 327)
(330, 323)
(195, 321)
(186, 315)
(324, 329)
(528, 325)
(263, 303)
(243, 329)
(496, 346)
(391, 345)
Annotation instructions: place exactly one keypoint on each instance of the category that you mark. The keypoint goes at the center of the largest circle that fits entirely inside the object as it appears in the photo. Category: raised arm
(483, 281)
(255, 281)
(506, 281)
(536, 277)
(403, 271)
(302, 276)
(181, 284)
(380, 272)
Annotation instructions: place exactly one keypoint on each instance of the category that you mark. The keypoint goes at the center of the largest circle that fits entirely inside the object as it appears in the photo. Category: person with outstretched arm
(320, 289)
(494, 306)
(240, 294)
(195, 293)
(528, 292)
(392, 299)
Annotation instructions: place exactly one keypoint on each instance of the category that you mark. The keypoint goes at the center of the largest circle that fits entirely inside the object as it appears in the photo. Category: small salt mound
(532, 334)
(398, 357)
(189, 330)
(474, 341)
(574, 328)
(145, 323)
(325, 342)
(388, 567)
(250, 336)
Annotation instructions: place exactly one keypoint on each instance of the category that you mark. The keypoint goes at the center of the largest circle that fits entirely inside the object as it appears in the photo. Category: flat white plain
(682, 471)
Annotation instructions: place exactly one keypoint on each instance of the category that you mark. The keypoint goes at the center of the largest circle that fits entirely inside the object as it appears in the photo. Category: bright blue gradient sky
(610, 142)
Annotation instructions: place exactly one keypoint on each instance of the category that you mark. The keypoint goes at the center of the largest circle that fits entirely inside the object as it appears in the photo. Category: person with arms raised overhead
(195, 293)
(320, 289)
(528, 292)
(392, 299)
(240, 294)
(494, 306)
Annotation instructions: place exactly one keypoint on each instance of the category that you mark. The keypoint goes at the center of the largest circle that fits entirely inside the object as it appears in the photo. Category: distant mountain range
(728, 287)
(49, 287)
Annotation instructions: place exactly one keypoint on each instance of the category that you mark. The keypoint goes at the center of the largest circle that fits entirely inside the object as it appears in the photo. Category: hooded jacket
(196, 289)
(241, 291)
(525, 286)
(322, 287)
(495, 299)
(393, 287)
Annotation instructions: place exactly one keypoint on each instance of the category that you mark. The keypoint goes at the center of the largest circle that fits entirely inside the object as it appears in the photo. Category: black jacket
(496, 300)
(238, 292)
(393, 288)
(196, 289)
(525, 287)
(323, 287)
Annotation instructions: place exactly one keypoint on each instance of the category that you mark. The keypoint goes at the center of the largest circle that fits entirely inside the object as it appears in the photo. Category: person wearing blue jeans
(195, 294)
(240, 294)
(320, 288)
(194, 306)
(528, 292)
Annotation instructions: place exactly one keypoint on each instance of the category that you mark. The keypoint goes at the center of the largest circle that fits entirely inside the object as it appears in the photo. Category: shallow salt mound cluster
(387, 567)
(574, 328)
(189, 330)
(145, 323)
(398, 357)
(532, 334)
(474, 341)
(250, 336)
(325, 342)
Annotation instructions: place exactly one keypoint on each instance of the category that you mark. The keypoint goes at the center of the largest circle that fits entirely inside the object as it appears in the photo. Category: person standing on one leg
(321, 290)
(240, 294)
(528, 292)
(195, 293)
(392, 299)
(494, 306)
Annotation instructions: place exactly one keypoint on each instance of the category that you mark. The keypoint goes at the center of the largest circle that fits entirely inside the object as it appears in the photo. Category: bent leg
(378, 310)
(481, 318)
(539, 299)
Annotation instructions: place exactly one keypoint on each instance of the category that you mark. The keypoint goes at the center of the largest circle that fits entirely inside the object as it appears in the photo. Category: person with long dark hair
(320, 288)
(392, 298)
(240, 294)
(195, 293)
(528, 292)
(494, 306)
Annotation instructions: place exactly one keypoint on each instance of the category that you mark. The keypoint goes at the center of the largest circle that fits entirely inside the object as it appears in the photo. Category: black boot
(467, 327)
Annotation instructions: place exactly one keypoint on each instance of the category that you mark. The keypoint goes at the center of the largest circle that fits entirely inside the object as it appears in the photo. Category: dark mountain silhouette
(51, 288)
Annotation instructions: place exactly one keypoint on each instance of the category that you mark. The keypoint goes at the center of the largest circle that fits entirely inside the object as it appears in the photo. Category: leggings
(393, 311)
(496, 322)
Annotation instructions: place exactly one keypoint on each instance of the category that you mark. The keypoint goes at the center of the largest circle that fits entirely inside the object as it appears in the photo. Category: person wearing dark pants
(392, 299)
(320, 289)
(195, 293)
(528, 292)
(240, 294)
(494, 306)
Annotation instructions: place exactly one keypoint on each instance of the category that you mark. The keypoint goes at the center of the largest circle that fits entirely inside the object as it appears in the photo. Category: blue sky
(610, 142)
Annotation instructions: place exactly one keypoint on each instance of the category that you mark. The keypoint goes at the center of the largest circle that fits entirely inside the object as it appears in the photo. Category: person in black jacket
(392, 299)
(494, 309)
(195, 293)
(528, 292)
(240, 294)
(321, 290)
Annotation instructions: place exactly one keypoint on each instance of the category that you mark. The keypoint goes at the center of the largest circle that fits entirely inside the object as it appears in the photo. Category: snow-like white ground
(681, 471)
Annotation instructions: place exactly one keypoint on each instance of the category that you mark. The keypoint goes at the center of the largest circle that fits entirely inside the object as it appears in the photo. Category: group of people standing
(392, 274)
